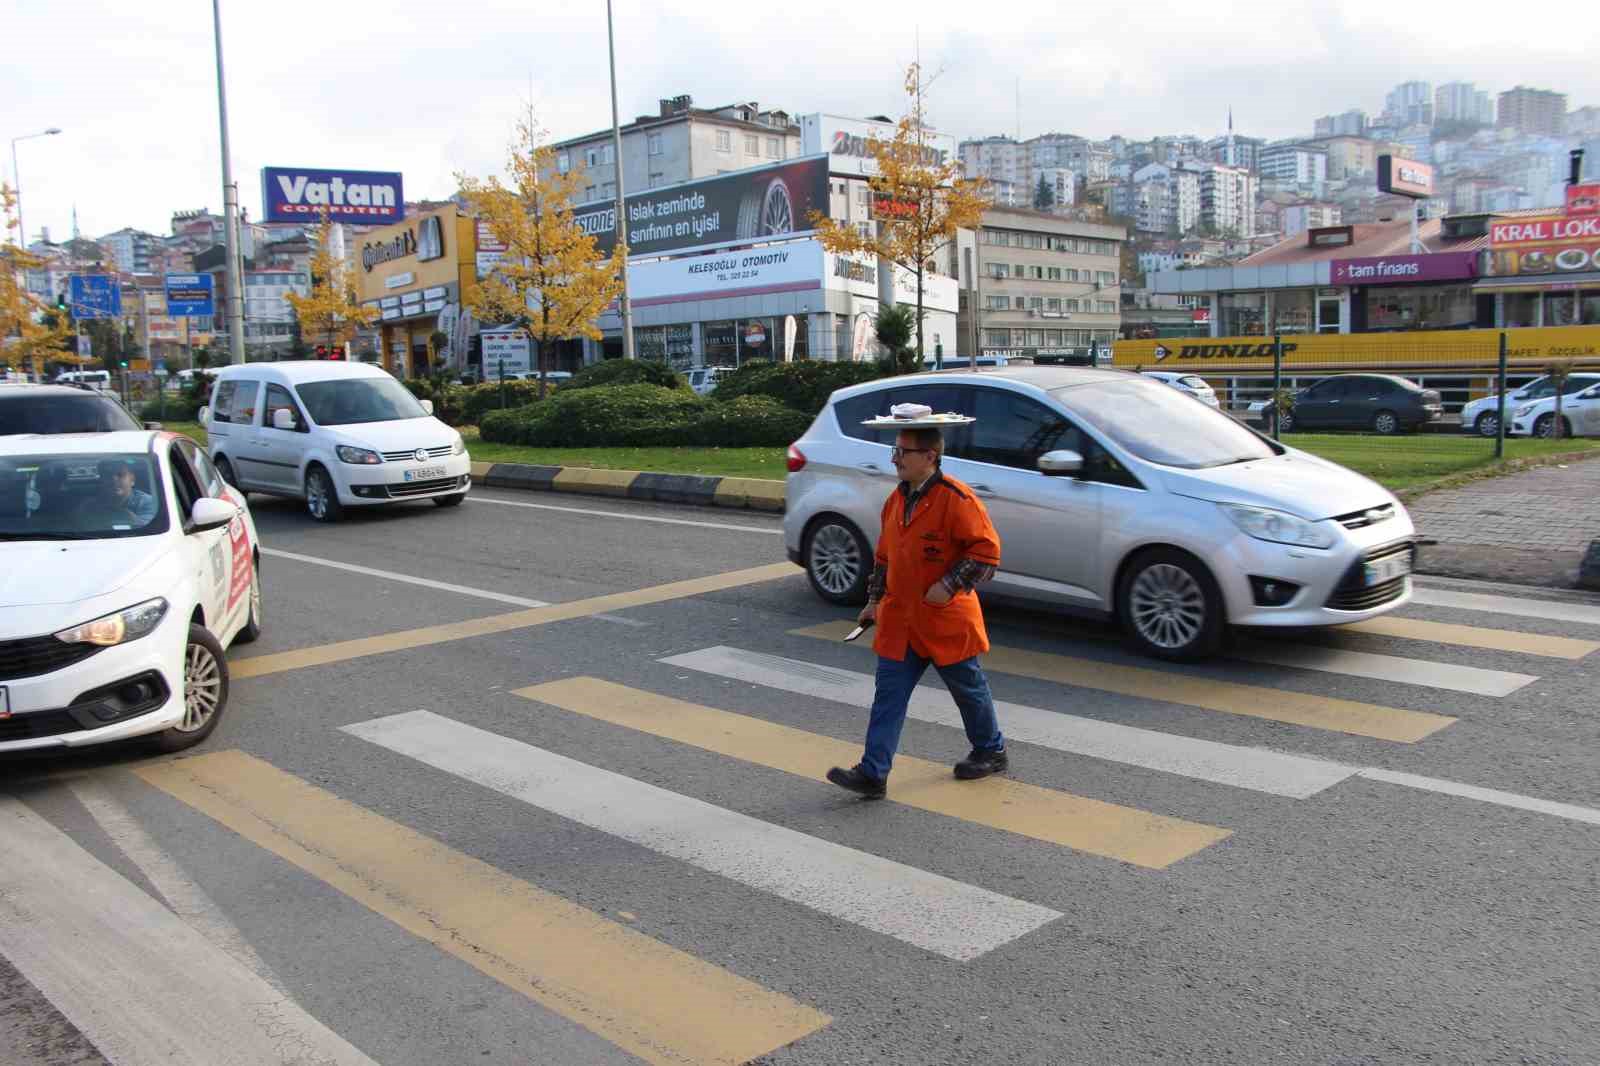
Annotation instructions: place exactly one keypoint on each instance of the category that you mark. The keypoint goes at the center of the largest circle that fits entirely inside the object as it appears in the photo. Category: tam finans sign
(296, 194)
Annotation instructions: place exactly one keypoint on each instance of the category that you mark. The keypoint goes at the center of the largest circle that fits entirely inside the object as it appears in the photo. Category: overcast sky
(431, 88)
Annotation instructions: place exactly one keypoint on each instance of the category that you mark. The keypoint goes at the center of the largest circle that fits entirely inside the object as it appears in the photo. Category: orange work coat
(948, 524)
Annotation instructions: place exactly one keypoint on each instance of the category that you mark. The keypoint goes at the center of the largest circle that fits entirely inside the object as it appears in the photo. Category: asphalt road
(442, 823)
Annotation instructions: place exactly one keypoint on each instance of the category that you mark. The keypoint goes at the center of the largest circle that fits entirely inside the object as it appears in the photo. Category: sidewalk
(1529, 529)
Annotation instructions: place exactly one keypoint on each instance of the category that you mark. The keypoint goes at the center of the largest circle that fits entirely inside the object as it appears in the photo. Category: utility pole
(620, 248)
(230, 208)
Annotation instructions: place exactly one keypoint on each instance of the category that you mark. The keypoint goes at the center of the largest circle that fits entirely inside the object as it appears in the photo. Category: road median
(744, 493)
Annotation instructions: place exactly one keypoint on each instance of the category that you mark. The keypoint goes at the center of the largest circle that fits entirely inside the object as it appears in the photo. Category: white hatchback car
(334, 434)
(1113, 495)
(1192, 384)
(127, 566)
(1580, 414)
(1482, 416)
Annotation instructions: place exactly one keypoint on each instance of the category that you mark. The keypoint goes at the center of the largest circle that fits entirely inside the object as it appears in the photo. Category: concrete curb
(744, 493)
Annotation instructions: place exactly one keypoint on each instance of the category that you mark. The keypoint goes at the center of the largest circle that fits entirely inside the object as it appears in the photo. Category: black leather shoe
(981, 764)
(861, 783)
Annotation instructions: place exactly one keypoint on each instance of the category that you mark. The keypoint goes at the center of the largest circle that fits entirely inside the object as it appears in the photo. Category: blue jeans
(897, 679)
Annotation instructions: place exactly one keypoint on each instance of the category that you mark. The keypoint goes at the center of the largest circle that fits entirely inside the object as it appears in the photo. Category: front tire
(1170, 606)
(322, 498)
(838, 561)
(1545, 428)
(205, 692)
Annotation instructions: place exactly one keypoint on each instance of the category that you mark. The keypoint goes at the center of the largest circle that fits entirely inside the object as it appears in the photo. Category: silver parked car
(1117, 495)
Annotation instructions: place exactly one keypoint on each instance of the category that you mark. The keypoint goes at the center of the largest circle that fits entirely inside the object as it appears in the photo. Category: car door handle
(871, 468)
(983, 490)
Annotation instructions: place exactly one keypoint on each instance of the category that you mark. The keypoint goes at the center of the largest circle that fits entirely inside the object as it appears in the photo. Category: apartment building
(1228, 200)
(680, 143)
(1538, 111)
(1462, 101)
(1047, 287)
(1410, 103)
(1351, 123)
(1297, 218)
(1293, 163)
(1179, 210)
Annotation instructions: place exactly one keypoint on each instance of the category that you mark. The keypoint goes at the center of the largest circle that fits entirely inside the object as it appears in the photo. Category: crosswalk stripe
(1257, 769)
(1448, 676)
(1093, 826)
(1294, 708)
(1474, 637)
(1519, 606)
(140, 983)
(650, 999)
(948, 917)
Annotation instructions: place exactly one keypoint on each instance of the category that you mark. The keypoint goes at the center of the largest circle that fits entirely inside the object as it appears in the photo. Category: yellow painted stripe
(652, 1000)
(1093, 826)
(1295, 708)
(599, 482)
(299, 659)
(759, 494)
(1475, 637)
(481, 470)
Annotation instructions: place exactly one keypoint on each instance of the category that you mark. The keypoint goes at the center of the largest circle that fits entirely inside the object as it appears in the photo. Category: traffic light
(123, 363)
(61, 301)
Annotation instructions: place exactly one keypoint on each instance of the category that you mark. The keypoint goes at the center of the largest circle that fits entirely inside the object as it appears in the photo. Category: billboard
(795, 267)
(759, 204)
(1555, 244)
(1388, 352)
(845, 142)
(190, 296)
(1405, 177)
(94, 296)
(299, 194)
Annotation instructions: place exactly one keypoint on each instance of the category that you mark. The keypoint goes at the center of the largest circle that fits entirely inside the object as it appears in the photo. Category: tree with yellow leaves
(27, 333)
(919, 201)
(330, 311)
(551, 283)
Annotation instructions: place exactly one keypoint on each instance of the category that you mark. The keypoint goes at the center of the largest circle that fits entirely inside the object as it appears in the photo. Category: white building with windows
(268, 316)
(1294, 164)
(1228, 200)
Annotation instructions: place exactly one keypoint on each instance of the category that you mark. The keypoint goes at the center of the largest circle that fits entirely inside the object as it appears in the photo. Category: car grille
(410, 456)
(34, 726)
(1371, 516)
(422, 488)
(33, 656)
(1352, 595)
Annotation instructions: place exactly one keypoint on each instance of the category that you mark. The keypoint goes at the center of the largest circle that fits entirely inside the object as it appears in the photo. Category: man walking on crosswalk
(937, 545)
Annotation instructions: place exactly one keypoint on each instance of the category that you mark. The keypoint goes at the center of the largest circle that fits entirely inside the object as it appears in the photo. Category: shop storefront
(416, 274)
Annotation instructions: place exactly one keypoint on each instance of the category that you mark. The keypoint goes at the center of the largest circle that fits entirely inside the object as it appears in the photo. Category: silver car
(1114, 495)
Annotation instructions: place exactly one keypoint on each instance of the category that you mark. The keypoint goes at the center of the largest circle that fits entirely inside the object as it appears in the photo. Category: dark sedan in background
(1379, 403)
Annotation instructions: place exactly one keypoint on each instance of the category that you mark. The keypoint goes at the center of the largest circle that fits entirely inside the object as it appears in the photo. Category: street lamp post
(230, 209)
(16, 179)
(622, 210)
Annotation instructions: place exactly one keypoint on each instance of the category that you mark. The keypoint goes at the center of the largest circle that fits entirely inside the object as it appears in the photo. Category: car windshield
(84, 413)
(84, 496)
(1161, 425)
(357, 400)
(1192, 382)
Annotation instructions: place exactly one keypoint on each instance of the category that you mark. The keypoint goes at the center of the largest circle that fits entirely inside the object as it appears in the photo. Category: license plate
(5, 703)
(1388, 569)
(425, 473)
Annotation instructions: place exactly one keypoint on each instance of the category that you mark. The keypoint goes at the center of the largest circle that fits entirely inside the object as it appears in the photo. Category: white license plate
(1388, 569)
(425, 473)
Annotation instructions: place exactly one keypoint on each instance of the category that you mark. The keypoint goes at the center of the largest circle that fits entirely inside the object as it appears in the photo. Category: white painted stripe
(1257, 769)
(736, 527)
(1486, 795)
(390, 575)
(1554, 610)
(1471, 679)
(144, 987)
(187, 899)
(956, 920)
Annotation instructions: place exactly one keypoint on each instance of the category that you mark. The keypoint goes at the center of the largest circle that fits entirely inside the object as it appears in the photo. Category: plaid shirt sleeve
(877, 582)
(966, 575)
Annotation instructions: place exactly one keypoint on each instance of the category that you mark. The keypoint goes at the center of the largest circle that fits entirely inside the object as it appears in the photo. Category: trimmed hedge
(804, 386)
(479, 400)
(644, 416)
(625, 372)
(449, 399)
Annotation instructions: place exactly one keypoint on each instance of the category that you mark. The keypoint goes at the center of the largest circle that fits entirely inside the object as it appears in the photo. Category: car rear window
(88, 413)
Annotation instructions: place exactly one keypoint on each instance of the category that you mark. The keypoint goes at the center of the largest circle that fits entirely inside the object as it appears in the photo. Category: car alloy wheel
(836, 562)
(1546, 427)
(322, 499)
(202, 688)
(1168, 606)
(1385, 423)
(1488, 425)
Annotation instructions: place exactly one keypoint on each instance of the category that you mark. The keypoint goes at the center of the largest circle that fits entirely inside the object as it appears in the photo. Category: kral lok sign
(296, 194)
(1549, 245)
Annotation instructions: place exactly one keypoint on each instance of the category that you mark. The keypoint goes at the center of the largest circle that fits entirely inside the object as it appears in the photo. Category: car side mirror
(427, 406)
(284, 419)
(1061, 462)
(209, 513)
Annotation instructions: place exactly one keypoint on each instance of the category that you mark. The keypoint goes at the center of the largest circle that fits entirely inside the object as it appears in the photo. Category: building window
(1036, 303)
(1072, 275)
(591, 157)
(1052, 337)
(1106, 278)
(563, 162)
(724, 144)
(657, 180)
(1105, 307)
(774, 148)
(653, 144)
(1022, 303)
(863, 195)
(1242, 314)
(1035, 338)
(1052, 304)
(999, 338)
(752, 144)
(999, 270)
(1019, 271)
(1054, 274)
(996, 303)
(606, 158)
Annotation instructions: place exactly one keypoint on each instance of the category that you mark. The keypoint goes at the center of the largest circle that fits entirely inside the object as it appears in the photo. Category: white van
(334, 434)
(95, 379)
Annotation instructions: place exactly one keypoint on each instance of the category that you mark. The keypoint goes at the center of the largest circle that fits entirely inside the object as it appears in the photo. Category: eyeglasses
(896, 452)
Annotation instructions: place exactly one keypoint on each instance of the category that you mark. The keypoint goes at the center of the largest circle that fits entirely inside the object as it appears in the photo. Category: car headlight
(459, 447)
(119, 628)
(1277, 526)
(361, 456)
(1524, 412)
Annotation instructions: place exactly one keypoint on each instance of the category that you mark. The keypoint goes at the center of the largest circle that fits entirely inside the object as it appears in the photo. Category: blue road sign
(191, 296)
(94, 296)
